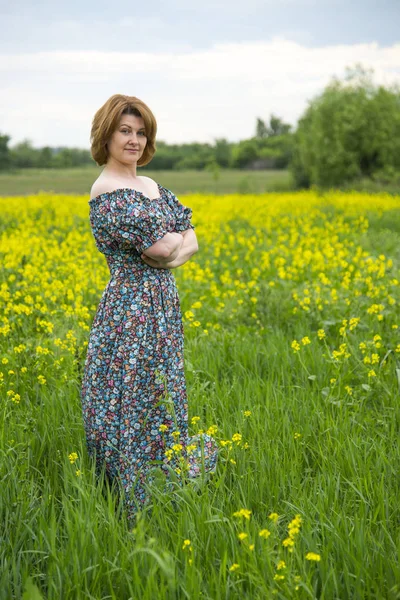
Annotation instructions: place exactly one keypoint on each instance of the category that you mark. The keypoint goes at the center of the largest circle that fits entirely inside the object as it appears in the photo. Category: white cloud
(51, 97)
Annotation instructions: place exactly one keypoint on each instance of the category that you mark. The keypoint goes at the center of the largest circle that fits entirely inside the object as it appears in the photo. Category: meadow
(78, 180)
(292, 359)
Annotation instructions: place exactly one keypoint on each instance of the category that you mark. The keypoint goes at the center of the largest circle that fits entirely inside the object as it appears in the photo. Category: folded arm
(166, 249)
(182, 252)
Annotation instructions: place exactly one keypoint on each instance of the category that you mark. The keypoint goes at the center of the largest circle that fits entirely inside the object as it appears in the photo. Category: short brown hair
(106, 121)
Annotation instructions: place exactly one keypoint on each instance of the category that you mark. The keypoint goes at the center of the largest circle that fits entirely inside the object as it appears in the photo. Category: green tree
(277, 127)
(261, 129)
(351, 130)
(45, 158)
(5, 158)
(24, 155)
(244, 153)
(223, 152)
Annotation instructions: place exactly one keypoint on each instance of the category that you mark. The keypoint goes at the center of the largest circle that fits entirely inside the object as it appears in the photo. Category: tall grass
(292, 352)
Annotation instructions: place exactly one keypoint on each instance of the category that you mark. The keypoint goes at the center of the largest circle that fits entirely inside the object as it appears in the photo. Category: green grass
(80, 180)
(65, 537)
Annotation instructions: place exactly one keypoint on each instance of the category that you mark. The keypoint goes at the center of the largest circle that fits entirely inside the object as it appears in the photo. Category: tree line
(350, 131)
(271, 144)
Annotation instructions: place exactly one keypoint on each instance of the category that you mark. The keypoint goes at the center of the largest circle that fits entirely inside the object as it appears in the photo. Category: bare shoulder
(107, 184)
(151, 185)
(102, 186)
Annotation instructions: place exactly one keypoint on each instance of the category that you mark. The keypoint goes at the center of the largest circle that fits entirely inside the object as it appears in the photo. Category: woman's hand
(177, 262)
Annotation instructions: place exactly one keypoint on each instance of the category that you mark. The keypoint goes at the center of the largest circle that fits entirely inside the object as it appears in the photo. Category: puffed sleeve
(183, 214)
(138, 224)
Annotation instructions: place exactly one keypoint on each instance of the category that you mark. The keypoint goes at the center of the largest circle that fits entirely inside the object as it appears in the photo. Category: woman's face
(128, 141)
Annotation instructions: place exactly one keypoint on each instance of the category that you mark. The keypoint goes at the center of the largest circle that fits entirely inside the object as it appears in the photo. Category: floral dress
(133, 390)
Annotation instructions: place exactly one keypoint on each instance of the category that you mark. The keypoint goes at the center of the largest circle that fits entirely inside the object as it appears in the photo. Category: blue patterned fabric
(133, 380)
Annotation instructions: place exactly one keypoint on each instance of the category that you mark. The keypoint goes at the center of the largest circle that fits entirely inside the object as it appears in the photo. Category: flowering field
(292, 354)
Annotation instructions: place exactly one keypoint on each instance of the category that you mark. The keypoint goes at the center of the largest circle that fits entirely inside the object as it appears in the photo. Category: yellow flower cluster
(73, 457)
(293, 531)
(243, 512)
(313, 556)
(342, 352)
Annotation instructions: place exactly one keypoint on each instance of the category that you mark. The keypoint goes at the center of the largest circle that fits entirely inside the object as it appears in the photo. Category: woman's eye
(127, 131)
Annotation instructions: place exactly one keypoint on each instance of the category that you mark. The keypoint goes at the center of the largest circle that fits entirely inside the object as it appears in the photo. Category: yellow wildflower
(295, 345)
(313, 556)
(274, 517)
(212, 430)
(237, 437)
(72, 457)
(243, 512)
(354, 322)
(264, 533)
(225, 443)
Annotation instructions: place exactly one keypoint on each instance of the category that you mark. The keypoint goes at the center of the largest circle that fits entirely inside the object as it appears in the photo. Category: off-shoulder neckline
(161, 189)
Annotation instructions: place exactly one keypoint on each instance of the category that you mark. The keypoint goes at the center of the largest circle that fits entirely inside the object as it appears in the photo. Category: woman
(133, 393)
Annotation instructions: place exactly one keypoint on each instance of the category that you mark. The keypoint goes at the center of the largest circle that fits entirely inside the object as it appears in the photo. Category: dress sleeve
(138, 224)
(183, 214)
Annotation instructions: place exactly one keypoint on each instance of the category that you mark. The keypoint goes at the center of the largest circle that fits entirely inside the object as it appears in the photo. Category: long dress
(133, 379)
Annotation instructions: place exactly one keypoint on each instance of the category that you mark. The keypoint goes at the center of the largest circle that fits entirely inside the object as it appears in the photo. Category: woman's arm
(186, 251)
(166, 249)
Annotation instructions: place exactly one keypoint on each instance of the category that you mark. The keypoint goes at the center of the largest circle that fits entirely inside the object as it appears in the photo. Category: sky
(207, 70)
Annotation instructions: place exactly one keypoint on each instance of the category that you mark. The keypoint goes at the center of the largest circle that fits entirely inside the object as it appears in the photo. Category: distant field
(80, 180)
